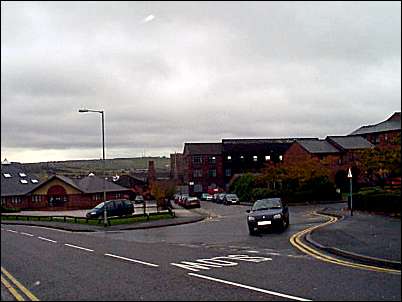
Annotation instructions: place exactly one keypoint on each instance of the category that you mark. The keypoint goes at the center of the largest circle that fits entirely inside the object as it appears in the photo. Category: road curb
(101, 229)
(384, 263)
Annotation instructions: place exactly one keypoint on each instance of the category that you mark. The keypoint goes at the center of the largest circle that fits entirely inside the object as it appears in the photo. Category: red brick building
(203, 167)
(382, 134)
(24, 191)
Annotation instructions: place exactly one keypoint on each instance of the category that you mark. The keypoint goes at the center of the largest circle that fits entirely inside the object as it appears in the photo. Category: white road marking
(12, 231)
(250, 287)
(274, 254)
(132, 260)
(46, 239)
(254, 252)
(26, 234)
(78, 247)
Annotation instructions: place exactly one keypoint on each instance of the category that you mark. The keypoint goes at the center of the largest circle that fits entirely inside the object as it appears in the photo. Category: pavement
(181, 216)
(365, 237)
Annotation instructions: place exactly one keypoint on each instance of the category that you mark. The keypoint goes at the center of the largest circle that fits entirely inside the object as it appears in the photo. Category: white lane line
(250, 287)
(132, 260)
(46, 239)
(12, 231)
(252, 251)
(26, 234)
(78, 247)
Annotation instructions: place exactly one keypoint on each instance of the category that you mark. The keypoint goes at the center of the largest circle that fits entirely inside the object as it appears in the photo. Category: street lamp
(351, 192)
(103, 160)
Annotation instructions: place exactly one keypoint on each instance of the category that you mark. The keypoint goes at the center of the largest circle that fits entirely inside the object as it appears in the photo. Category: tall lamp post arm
(103, 160)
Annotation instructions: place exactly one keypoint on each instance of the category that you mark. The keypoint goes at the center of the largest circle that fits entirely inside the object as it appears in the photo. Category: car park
(118, 207)
(191, 202)
(220, 198)
(206, 197)
(139, 199)
(231, 199)
(267, 213)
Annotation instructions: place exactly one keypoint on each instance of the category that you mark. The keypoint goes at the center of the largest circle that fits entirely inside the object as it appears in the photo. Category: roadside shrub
(378, 201)
(243, 187)
(260, 193)
(9, 210)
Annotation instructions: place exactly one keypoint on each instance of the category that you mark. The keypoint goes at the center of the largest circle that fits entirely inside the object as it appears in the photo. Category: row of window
(197, 159)
(211, 173)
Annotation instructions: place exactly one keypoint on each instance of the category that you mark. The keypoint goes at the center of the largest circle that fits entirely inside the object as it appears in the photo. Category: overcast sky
(173, 72)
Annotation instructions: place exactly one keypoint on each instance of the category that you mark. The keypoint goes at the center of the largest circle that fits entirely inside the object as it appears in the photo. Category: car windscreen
(99, 206)
(264, 204)
(231, 196)
(192, 198)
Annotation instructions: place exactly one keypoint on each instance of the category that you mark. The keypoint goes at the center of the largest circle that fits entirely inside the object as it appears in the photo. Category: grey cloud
(200, 71)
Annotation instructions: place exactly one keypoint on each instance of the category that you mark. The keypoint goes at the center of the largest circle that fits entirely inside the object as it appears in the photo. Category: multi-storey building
(203, 167)
(382, 134)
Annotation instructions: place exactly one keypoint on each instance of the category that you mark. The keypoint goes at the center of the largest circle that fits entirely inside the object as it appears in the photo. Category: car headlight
(277, 216)
(251, 218)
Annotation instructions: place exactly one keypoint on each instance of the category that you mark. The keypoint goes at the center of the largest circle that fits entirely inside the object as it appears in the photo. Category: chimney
(151, 172)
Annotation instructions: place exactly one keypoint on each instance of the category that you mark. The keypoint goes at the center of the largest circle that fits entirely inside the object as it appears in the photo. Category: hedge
(388, 202)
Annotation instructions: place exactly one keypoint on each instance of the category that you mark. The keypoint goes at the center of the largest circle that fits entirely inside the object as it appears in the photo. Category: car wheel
(251, 231)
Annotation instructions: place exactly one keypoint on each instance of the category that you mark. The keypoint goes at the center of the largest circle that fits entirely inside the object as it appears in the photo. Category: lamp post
(351, 202)
(103, 160)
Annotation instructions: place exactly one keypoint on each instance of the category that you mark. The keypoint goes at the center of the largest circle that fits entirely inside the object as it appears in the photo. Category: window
(280, 157)
(228, 172)
(36, 198)
(212, 173)
(212, 159)
(16, 199)
(241, 157)
(97, 196)
(229, 157)
(22, 174)
(7, 175)
(267, 157)
(197, 159)
(23, 181)
(255, 158)
(198, 188)
(34, 181)
(197, 173)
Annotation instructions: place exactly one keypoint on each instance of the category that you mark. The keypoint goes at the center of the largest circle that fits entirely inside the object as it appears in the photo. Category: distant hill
(76, 168)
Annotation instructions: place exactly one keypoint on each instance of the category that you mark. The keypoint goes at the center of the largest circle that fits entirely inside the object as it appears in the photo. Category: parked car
(182, 199)
(118, 207)
(220, 198)
(206, 196)
(215, 197)
(266, 213)
(231, 199)
(191, 202)
(139, 199)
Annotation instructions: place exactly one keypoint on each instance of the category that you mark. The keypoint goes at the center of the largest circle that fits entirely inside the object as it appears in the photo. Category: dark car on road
(267, 213)
(118, 207)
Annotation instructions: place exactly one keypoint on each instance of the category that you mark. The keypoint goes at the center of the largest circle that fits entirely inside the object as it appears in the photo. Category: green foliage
(9, 210)
(243, 187)
(378, 200)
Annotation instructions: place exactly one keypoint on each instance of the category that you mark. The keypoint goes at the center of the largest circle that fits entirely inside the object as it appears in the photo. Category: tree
(162, 190)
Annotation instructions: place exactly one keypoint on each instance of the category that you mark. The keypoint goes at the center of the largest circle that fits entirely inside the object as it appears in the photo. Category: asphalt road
(215, 259)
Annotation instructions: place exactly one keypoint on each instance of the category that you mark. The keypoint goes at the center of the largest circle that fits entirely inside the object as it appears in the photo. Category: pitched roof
(16, 181)
(393, 123)
(94, 184)
(264, 145)
(202, 148)
(317, 146)
(349, 142)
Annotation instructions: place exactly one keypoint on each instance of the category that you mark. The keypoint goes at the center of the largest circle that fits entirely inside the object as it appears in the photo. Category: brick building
(20, 190)
(203, 167)
(382, 134)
